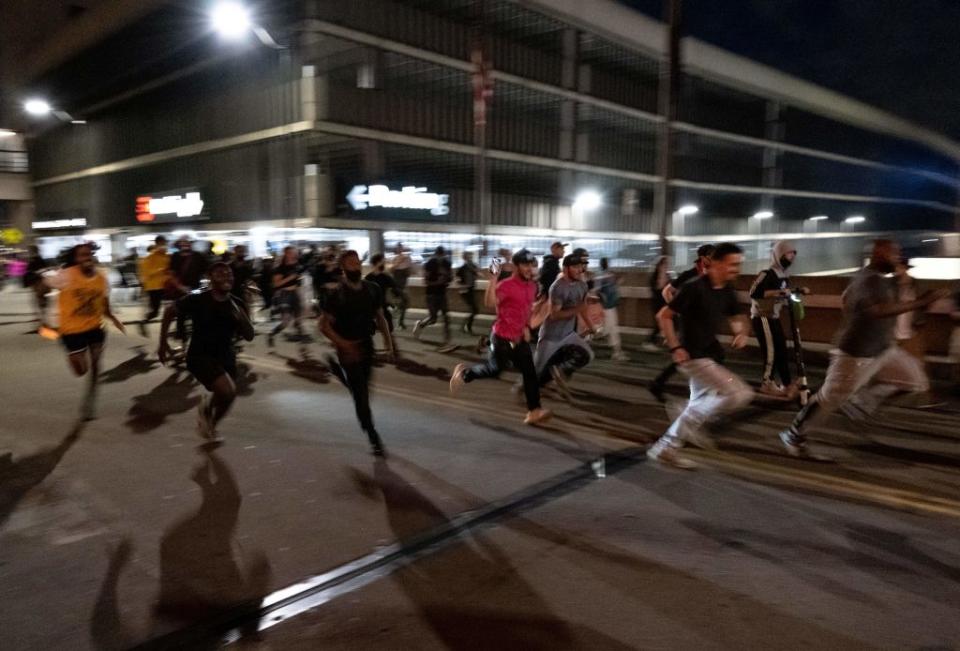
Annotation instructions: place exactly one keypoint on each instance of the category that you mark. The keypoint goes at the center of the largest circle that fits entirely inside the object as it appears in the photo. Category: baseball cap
(573, 260)
(524, 256)
(559, 243)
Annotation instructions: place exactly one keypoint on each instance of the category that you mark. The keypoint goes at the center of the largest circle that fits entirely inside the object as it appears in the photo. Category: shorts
(79, 342)
(207, 368)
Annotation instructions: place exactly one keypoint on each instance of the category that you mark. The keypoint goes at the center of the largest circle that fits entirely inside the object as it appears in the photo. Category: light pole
(232, 21)
(667, 108)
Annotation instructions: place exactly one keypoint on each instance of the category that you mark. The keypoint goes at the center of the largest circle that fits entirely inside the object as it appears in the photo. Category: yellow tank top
(82, 301)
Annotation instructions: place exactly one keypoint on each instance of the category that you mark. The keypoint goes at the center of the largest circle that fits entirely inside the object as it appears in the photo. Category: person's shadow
(139, 364)
(202, 576)
(172, 396)
(467, 616)
(18, 476)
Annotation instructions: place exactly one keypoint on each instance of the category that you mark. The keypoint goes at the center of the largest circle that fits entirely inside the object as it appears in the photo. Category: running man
(467, 276)
(379, 277)
(400, 267)
(669, 292)
(767, 298)
(84, 303)
(513, 299)
(561, 350)
(154, 277)
(869, 367)
(551, 266)
(217, 317)
(352, 313)
(437, 275)
(286, 293)
(703, 305)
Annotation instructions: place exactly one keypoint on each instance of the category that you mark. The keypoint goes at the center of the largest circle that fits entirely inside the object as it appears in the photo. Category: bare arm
(246, 328)
(669, 291)
(169, 315)
(881, 310)
(665, 318)
(384, 329)
(490, 296)
(113, 318)
(738, 326)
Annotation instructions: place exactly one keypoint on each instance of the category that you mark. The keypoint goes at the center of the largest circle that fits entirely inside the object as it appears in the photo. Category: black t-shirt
(242, 274)
(702, 310)
(549, 272)
(355, 310)
(384, 281)
(188, 269)
(437, 274)
(214, 324)
(467, 274)
(687, 275)
(285, 270)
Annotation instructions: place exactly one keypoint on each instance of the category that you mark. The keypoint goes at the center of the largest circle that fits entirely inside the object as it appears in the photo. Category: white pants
(864, 382)
(714, 391)
(611, 327)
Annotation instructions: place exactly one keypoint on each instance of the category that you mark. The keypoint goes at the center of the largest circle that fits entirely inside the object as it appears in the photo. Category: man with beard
(868, 367)
(351, 315)
(217, 317)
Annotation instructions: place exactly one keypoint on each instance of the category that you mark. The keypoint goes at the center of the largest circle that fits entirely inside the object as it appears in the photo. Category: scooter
(794, 301)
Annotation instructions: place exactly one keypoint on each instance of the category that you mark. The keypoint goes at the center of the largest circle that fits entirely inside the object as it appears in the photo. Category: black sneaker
(270, 342)
(376, 445)
(798, 449)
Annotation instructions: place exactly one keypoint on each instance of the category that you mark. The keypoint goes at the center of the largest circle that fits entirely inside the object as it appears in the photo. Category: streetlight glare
(230, 19)
(856, 219)
(819, 218)
(688, 210)
(763, 214)
(587, 200)
(6, 133)
(36, 107)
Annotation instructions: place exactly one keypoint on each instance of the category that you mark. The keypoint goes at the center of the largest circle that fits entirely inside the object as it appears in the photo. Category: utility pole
(482, 82)
(667, 101)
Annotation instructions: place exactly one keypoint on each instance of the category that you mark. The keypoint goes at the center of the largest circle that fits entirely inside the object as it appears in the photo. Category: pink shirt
(514, 302)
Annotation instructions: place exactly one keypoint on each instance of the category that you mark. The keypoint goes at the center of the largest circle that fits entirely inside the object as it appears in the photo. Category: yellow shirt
(154, 271)
(83, 300)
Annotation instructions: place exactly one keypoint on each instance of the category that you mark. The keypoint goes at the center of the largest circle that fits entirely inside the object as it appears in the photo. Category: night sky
(899, 55)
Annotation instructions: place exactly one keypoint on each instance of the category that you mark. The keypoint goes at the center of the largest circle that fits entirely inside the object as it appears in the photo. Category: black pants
(403, 300)
(155, 298)
(568, 359)
(356, 375)
(470, 298)
(437, 304)
(503, 354)
(773, 348)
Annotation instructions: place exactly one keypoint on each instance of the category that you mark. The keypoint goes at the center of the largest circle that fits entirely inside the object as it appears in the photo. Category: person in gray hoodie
(767, 298)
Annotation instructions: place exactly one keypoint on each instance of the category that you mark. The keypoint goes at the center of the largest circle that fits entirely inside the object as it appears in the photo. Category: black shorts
(79, 342)
(207, 368)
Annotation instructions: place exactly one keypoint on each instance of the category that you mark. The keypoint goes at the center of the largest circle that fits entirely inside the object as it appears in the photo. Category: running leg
(224, 393)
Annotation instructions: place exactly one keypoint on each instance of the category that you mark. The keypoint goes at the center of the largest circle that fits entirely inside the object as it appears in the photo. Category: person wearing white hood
(767, 296)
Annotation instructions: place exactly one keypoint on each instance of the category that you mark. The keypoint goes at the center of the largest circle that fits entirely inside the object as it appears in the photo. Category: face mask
(785, 262)
(352, 276)
(886, 267)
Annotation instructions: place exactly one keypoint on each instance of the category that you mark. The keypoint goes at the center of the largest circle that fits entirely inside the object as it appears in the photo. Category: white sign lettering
(60, 223)
(409, 197)
(188, 205)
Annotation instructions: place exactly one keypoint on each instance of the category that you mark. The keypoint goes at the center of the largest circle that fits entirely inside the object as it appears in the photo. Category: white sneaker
(670, 456)
(620, 357)
(700, 440)
(799, 450)
(456, 380)
(771, 388)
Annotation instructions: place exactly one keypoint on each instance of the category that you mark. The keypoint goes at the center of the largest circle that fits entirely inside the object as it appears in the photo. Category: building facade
(478, 125)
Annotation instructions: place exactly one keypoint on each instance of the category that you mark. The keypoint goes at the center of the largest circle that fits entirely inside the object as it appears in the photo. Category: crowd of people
(546, 319)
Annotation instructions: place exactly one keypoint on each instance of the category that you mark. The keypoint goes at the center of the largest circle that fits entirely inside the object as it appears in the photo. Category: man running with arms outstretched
(84, 303)
(513, 299)
(869, 367)
(703, 305)
(217, 318)
(351, 314)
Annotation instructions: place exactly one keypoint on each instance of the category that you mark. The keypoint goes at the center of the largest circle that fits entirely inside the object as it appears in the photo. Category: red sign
(143, 210)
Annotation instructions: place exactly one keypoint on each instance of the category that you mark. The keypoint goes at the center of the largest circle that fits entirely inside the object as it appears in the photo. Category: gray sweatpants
(864, 383)
(715, 391)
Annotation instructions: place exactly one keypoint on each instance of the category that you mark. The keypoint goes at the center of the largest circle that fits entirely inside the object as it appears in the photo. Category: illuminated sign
(79, 222)
(169, 208)
(410, 197)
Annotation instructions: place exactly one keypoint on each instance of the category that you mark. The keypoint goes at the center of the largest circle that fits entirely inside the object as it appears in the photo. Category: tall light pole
(481, 80)
(668, 92)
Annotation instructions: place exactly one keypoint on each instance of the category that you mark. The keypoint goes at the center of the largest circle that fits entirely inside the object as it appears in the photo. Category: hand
(680, 355)
(349, 352)
(805, 291)
(163, 352)
(739, 341)
(933, 295)
(118, 324)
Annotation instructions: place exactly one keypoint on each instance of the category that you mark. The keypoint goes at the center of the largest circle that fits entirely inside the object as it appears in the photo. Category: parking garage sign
(169, 207)
(409, 197)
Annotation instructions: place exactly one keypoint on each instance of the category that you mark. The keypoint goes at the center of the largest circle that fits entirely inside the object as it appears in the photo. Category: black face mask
(785, 262)
(353, 276)
(886, 267)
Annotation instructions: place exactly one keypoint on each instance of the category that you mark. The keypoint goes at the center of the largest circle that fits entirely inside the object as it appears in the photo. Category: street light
(6, 133)
(232, 21)
(856, 219)
(36, 107)
(689, 209)
(763, 214)
(587, 201)
(819, 218)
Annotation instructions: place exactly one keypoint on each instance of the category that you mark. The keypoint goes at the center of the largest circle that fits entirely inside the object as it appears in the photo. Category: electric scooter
(794, 302)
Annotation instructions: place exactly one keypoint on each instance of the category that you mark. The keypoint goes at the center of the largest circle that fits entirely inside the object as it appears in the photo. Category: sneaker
(376, 445)
(651, 347)
(771, 388)
(560, 381)
(620, 357)
(799, 450)
(536, 416)
(270, 340)
(456, 380)
(417, 329)
(670, 456)
(700, 440)
(143, 329)
(88, 410)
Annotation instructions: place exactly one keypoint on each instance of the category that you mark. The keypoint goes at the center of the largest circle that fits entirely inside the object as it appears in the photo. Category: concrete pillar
(376, 242)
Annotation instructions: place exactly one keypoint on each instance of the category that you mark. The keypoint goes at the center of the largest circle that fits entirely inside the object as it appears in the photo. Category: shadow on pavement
(203, 572)
(18, 476)
(108, 632)
(136, 365)
(448, 588)
(172, 396)
(306, 367)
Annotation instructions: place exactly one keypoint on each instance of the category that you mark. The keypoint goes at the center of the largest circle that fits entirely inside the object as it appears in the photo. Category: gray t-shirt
(566, 294)
(863, 335)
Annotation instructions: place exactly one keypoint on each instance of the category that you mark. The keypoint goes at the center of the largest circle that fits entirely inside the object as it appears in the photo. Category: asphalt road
(477, 532)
